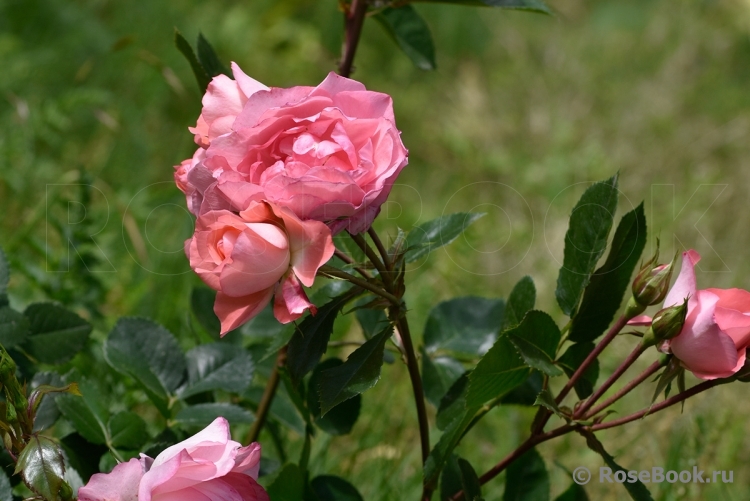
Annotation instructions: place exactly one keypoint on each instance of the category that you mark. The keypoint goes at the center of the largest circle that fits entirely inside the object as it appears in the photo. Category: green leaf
(572, 359)
(453, 403)
(359, 373)
(339, 420)
(184, 47)
(411, 33)
(288, 485)
(502, 369)
(538, 342)
(371, 321)
(6, 491)
(545, 399)
(86, 413)
(603, 296)
(282, 408)
(585, 242)
(217, 366)
(310, 340)
(331, 488)
(14, 327)
(520, 301)
(459, 475)
(530, 5)
(434, 234)
(56, 334)
(465, 325)
(526, 392)
(201, 415)
(47, 412)
(4, 272)
(574, 493)
(636, 489)
(202, 303)
(42, 467)
(150, 354)
(438, 375)
(127, 430)
(527, 479)
(209, 60)
(448, 441)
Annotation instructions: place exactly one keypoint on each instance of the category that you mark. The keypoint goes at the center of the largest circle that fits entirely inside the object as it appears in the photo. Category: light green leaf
(434, 234)
(464, 325)
(127, 430)
(288, 484)
(411, 33)
(520, 301)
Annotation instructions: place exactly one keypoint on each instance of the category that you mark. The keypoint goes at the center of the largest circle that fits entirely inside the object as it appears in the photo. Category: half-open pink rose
(329, 153)
(247, 258)
(207, 466)
(716, 334)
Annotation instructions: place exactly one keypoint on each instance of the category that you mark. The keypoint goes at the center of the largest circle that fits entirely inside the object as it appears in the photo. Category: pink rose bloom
(222, 103)
(247, 258)
(181, 172)
(207, 466)
(716, 333)
(330, 153)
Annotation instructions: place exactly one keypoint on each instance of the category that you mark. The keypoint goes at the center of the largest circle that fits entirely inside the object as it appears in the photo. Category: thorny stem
(374, 259)
(381, 248)
(335, 272)
(267, 399)
(348, 260)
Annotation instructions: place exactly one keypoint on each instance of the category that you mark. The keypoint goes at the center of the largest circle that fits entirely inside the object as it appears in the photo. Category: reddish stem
(625, 389)
(355, 18)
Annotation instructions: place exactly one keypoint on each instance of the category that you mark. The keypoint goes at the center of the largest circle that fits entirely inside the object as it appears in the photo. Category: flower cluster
(277, 173)
(208, 465)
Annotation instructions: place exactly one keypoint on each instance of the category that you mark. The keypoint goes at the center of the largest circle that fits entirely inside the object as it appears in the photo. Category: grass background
(522, 113)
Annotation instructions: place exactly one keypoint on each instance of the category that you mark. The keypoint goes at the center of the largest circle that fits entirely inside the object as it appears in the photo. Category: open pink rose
(716, 333)
(207, 466)
(329, 153)
(247, 258)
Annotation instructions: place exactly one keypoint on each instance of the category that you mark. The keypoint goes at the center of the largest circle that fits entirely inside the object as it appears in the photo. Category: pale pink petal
(333, 84)
(685, 284)
(249, 86)
(732, 315)
(260, 102)
(641, 320)
(260, 258)
(247, 487)
(235, 311)
(310, 243)
(247, 461)
(211, 440)
(291, 301)
(121, 484)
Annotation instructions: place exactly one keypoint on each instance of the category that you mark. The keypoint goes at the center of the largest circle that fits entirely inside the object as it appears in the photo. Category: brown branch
(267, 399)
(626, 389)
(355, 18)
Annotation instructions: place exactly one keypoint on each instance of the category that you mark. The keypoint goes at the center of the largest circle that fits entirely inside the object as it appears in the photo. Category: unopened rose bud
(667, 323)
(651, 285)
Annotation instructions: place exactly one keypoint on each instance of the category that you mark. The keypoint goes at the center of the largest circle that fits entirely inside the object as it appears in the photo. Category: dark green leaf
(545, 399)
(359, 373)
(530, 5)
(411, 33)
(217, 366)
(459, 475)
(184, 47)
(201, 415)
(572, 359)
(56, 334)
(434, 234)
(585, 242)
(448, 441)
(438, 375)
(42, 467)
(294, 392)
(288, 485)
(4, 272)
(371, 321)
(14, 327)
(127, 430)
(636, 489)
(469, 481)
(6, 491)
(520, 301)
(453, 403)
(466, 325)
(525, 393)
(527, 479)
(282, 408)
(202, 303)
(537, 342)
(209, 60)
(339, 420)
(310, 340)
(574, 493)
(86, 413)
(148, 353)
(331, 488)
(47, 413)
(603, 296)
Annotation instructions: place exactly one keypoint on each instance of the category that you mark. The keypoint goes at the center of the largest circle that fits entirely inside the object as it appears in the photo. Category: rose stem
(381, 248)
(374, 259)
(625, 365)
(626, 389)
(335, 272)
(267, 399)
(354, 20)
(348, 260)
(543, 437)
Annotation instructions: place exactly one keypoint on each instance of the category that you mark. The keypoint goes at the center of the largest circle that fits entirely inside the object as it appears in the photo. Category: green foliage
(55, 334)
(538, 342)
(427, 237)
(438, 375)
(202, 303)
(573, 493)
(572, 359)
(42, 467)
(332, 488)
(459, 475)
(585, 242)
(217, 366)
(127, 430)
(464, 325)
(287, 485)
(201, 415)
(530, 5)
(521, 300)
(411, 33)
(603, 295)
(527, 479)
(340, 419)
(636, 489)
(14, 327)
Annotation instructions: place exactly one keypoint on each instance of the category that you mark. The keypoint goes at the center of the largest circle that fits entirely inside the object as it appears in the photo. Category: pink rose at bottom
(208, 466)
(716, 333)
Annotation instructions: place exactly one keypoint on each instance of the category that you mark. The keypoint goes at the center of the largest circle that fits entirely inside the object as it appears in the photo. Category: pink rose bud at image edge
(208, 465)
(248, 258)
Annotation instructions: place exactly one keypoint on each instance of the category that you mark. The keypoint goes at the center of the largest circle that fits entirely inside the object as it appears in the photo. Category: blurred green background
(522, 113)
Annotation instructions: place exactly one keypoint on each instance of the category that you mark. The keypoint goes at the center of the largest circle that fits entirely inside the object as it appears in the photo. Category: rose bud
(666, 324)
(651, 285)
